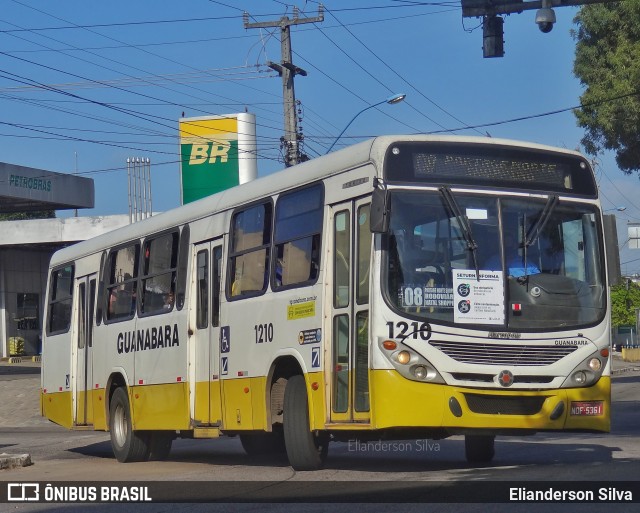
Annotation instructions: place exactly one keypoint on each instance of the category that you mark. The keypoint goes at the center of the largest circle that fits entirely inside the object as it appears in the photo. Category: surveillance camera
(545, 18)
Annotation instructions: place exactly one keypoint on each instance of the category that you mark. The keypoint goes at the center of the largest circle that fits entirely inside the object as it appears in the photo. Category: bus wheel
(479, 448)
(305, 450)
(263, 444)
(160, 445)
(127, 445)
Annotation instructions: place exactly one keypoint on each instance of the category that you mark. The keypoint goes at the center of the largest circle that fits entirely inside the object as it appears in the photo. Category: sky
(86, 85)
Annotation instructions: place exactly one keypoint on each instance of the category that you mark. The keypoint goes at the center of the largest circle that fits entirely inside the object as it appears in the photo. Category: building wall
(23, 270)
(22, 288)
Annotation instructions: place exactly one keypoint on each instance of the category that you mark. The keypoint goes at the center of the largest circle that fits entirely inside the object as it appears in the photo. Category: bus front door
(205, 324)
(85, 294)
(349, 348)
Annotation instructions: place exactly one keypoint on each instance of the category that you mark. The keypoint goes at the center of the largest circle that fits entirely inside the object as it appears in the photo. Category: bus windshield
(539, 260)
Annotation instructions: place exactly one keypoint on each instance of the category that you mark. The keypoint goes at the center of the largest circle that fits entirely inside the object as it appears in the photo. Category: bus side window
(160, 260)
(183, 262)
(364, 254)
(99, 303)
(122, 282)
(202, 288)
(216, 286)
(297, 235)
(249, 252)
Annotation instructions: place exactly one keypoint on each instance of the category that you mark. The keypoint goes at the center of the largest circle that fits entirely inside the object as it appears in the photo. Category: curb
(8, 461)
(624, 370)
(20, 359)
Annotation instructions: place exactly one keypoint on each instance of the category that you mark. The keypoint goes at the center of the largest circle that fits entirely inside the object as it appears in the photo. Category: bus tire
(305, 450)
(160, 445)
(479, 448)
(128, 445)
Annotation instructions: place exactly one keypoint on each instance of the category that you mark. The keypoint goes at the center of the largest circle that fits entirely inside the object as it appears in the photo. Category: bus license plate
(587, 408)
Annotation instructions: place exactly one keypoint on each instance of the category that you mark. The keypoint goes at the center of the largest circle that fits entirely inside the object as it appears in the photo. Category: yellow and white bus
(404, 287)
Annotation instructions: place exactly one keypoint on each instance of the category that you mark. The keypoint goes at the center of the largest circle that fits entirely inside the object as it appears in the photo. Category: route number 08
(413, 296)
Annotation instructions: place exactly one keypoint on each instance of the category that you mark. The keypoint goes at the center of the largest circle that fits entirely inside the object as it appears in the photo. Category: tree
(607, 63)
(625, 299)
(19, 216)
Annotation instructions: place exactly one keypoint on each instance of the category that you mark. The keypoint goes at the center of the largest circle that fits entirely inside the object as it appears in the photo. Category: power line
(244, 36)
(208, 18)
(376, 79)
(116, 24)
(145, 51)
(135, 113)
(145, 104)
(161, 43)
(126, 111)
(540, 115)
(384, 63)
(628, 203)
(148, 52)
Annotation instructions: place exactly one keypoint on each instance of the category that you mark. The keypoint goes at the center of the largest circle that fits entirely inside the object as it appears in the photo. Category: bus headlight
(424, 373)
(403, 357)
(588, 372)
(595, 364)
(409, 363)
(580, 377)
(419, 371)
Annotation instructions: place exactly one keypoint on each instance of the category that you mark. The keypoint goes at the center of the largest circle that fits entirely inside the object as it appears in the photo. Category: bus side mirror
(611, 249)
(379, 221)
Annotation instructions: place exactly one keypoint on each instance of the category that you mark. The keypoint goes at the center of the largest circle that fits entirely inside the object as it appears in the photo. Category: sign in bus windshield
(489, 165)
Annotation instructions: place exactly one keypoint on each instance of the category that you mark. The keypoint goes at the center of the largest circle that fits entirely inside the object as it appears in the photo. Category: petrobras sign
(217, 152)
(28, 188)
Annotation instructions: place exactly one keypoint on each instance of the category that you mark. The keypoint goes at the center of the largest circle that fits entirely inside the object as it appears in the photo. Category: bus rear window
(60, 300)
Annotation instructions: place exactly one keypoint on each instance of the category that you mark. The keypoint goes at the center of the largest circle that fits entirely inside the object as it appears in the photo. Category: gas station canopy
(24, 189)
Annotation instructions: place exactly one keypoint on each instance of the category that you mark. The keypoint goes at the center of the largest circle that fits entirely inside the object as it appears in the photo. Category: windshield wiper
(535, 230)
(464, 225)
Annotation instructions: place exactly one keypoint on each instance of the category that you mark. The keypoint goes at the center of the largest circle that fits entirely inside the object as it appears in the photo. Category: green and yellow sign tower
(217, 152)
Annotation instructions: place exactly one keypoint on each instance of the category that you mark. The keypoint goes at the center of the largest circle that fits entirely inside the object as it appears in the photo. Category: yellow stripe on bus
(57, 407)
(160, 406)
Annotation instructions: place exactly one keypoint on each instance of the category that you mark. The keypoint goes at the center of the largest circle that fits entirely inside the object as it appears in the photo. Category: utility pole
(287, 70)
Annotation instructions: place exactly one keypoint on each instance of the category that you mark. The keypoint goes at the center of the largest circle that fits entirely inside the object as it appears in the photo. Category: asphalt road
(80, 457)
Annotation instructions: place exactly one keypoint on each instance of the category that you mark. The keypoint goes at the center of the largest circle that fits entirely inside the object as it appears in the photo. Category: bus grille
(488, 378)
(503, 405)
(494, 354)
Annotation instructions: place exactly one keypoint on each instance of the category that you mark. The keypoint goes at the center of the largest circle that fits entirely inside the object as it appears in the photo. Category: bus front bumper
(398, 402)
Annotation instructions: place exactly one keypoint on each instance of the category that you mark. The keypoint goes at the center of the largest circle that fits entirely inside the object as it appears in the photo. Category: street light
(392, 100)
(619, 209)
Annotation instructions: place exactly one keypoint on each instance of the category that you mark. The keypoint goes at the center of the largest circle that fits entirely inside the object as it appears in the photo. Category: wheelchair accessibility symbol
(225, 339)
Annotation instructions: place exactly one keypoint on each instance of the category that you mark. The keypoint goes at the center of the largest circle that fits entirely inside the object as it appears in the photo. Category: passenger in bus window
(168, 300)
(113, 300)
(514, 258)
(279, 272)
